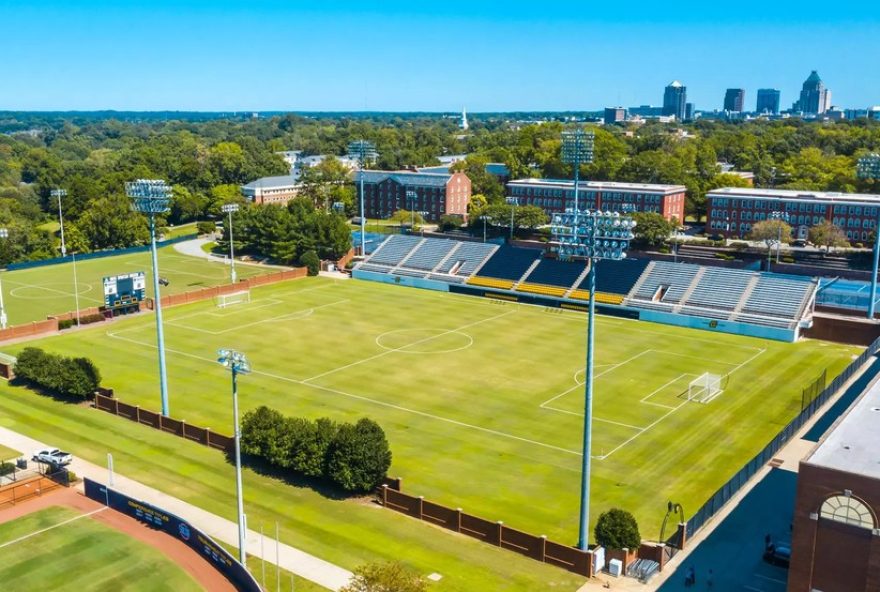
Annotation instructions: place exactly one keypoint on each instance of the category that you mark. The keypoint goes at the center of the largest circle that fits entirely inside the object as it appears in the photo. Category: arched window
(849, 510)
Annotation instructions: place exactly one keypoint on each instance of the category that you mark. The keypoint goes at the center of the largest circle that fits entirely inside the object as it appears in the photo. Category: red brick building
(436, 194)
(835, 534)
(271, 190)
(731, 211)
(557, 195)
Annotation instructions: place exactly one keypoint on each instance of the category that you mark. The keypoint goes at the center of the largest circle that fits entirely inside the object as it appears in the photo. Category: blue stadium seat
(509, 263)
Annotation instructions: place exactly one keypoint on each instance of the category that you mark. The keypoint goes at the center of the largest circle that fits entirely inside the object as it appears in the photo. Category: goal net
(704, 388)
(224, 300)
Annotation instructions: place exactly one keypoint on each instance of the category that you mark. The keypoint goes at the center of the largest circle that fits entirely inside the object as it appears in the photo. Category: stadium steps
(446, 258)
(642, 279)
(578, 281)
(531, 268)
(483, 262)
(746, 295)
(410, 254)
(693, 286)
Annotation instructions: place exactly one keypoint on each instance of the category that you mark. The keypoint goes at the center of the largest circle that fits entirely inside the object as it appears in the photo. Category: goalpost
(704, 388)
(224, 300)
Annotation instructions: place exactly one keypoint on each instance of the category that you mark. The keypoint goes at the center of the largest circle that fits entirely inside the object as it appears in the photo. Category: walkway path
(193, 248)
(300, 563)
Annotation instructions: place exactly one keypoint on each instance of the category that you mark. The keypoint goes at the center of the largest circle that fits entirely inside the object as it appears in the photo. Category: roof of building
(408, 178)
(272, 183)
(794, 194)
(675, 84)
(813, 77)
(600, 185)
(851, 445)
(497, 168)
(439, 169)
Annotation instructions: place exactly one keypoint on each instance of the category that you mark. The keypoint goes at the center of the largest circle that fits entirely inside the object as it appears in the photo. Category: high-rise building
(614, 115)
(815, 98)
(768, 101)
(734, 99)
(689, 111)
(675, 100)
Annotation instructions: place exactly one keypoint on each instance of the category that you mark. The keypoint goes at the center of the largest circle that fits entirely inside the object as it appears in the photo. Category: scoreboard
(124, 290)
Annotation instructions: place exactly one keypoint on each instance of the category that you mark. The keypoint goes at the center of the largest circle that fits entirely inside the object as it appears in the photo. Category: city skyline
(342, 56)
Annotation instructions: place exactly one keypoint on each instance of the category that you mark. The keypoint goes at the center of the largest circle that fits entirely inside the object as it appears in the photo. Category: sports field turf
(481, 401)
(74, 552)
(32, 294)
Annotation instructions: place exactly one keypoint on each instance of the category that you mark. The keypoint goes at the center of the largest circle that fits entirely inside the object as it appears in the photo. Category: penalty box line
(48, 528)
(289, 316)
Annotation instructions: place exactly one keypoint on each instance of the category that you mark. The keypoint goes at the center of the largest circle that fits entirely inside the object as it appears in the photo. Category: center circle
(49, 290)
(424, 341)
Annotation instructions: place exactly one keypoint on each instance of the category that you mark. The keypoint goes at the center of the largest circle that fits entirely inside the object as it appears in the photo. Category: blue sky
(438, 56)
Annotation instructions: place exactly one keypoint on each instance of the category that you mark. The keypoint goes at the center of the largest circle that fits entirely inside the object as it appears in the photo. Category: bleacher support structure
(759, 304)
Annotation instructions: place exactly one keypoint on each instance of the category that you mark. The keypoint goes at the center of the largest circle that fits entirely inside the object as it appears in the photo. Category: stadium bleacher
(467, 258)
(675, 277)
(395, 249)
(779, 296)
(429, 254)
(720, 288)
(509, 263)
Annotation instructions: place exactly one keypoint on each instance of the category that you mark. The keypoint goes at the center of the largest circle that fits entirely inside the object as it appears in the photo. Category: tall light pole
(364, 152)
(577, 148)
(238, 364)
(411, 200)
(230, 209)
(151, 197)
(513, 202)
(4, 234)
(484, 218)
(58, 193)
(871, 305)
(593, 235)
(781, 217)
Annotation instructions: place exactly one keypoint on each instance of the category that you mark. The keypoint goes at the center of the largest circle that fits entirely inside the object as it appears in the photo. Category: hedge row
(77, 377)
(83, 320)
(354, 456)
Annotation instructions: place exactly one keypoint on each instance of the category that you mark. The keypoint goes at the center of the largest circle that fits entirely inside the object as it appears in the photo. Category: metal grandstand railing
(735, 483)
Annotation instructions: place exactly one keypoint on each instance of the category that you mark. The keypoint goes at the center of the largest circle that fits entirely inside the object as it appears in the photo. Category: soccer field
(60, 549)
(482, 401)
(32, 294)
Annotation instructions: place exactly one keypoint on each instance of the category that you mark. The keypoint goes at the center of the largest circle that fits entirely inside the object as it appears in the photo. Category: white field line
(54, 526)
(290, 316)
(671, 382)
(249, 306)
(419, 342)
(176, 271)
(576, 414)
(600, 375)
(62, 292)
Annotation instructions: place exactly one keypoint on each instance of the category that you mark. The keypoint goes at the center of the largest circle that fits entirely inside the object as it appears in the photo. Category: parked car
(778, 554)
(53, 456)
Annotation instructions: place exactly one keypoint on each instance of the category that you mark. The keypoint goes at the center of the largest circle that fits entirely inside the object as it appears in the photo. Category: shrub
(67, 376)
(6, 468)
(260, 428)
(739, 245)
(71, 477)
(450, 222)
(310, 260)
(206, 227)
(385, 577)
(358, 458)
(618, 529)
(66, 324)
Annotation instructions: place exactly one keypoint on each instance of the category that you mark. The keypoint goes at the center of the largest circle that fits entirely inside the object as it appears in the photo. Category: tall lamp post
(513, 202)
(237, 363)
(577, 148)
(151, 197)
(58, 193)
(4, 234)
(230, 209)
(411, 200)
(871, 303)
(782, 217)
(593, 235)
(484, 218)
(364, 152)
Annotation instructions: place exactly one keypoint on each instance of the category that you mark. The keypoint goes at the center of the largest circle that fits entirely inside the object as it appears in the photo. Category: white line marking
(47, 529)
(290, 316)
(768, 578)
(48, 289)
(601, 374)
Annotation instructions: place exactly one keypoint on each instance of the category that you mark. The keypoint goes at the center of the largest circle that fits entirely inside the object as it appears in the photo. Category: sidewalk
(193, 248)
(298, 562)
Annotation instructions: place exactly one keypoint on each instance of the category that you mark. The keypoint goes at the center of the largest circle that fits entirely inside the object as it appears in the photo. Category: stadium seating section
(718, 293)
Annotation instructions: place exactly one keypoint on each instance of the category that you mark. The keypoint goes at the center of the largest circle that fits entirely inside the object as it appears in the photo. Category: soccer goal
(704, 388)
(224, 300)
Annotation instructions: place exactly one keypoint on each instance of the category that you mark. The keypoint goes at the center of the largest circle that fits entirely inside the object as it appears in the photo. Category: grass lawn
(482, 402)
(7, 453)
(180, 230)
(32, 294)
(82, 555)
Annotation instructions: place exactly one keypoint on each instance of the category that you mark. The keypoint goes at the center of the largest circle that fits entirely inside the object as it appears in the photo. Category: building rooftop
(794, 194)
(408, 178)
(272, 182)
(851, 444)
(600, 185)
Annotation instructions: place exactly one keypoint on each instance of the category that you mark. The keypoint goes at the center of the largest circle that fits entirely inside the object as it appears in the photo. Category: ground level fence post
(458, 520)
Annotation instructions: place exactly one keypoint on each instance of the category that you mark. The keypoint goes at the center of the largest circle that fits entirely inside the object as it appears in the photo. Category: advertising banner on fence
(180, 529)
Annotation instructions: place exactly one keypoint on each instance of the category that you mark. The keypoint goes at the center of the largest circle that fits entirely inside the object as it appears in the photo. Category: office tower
(734, 99)
(815, 98)
(675, 100)
(768, 101)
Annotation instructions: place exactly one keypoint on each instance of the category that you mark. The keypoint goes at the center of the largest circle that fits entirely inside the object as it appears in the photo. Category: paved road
(193, 248)
(300, 563)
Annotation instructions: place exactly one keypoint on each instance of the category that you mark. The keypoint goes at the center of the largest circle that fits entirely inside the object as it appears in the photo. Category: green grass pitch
(74, 552)
(32, 294)
(482, 402)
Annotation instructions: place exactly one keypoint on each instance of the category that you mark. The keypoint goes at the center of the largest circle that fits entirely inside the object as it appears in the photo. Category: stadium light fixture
(484, 218)
(411, 200)
(783, 217)
(230, 209)
(59, 193)
(593, 236)
(514, 202)
(237, 363)
(4, 234)
(151, 197)
(577, 148)
(364, 152)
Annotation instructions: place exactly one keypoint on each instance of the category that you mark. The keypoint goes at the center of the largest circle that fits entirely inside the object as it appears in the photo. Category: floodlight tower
(411, 198)
(230, 209)
(513, 202)
(58, 194)
(781, 217)
(577, 148)
(364, 152)
(4, 234)
(237, 363)
(151, 197)
(593, 235)
(871, 303)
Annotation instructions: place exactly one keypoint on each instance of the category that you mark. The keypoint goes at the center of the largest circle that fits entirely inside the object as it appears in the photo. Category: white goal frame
(224, 300)
(704, 388)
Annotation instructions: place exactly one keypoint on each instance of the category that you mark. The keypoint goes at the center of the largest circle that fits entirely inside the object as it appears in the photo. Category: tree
(385, 577)
(828, 235)
(617, 529)
(260, 428)
(358, 458)
(405, 217)
(771, 232)
(652, 229)
(310, 260)
(450, 222)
